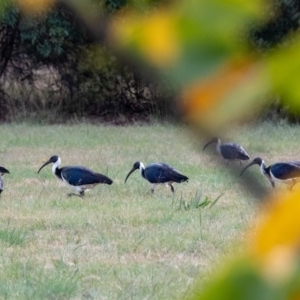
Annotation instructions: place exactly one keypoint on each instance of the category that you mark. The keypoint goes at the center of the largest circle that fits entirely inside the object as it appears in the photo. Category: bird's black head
(136, 166)
(52, 159)
(255, 161)
(213, 140)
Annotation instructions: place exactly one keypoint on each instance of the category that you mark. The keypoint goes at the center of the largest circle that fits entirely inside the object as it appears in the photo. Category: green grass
(120, 241)
(12, 236)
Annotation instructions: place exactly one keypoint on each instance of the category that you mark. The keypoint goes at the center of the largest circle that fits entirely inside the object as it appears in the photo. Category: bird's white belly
(79, 188)
(84, 187)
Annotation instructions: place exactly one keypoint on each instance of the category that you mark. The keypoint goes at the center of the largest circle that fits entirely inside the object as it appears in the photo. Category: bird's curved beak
(130, 172)
(251, 164)
(45, 164)
(3, 171)
(210, 142)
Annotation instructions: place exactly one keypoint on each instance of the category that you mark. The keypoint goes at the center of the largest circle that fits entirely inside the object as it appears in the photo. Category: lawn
(121, 241)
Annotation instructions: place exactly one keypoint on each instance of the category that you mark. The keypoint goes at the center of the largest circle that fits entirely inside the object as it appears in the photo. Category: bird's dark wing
(161, 173)
(286, 170)
(1, 184)
(76, 176)
(234, 151)
(3, 170)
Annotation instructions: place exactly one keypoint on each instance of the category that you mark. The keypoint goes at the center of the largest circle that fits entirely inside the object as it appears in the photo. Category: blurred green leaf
(284, 70)
(240, 280)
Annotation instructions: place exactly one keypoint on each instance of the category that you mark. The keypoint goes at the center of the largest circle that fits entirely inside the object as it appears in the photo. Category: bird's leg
(272, 183)
(240, 162)
(292, 185)
(152, 188)
(270, 179)
(81, 194)
(172, 188)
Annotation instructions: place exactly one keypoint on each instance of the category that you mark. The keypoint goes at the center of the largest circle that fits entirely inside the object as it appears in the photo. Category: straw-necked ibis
(79, 178)
(286, 172)
(158, 173)
(2, 172)
(229, 151)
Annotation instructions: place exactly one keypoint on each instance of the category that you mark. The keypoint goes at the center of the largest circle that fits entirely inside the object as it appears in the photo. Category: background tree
(49, 62)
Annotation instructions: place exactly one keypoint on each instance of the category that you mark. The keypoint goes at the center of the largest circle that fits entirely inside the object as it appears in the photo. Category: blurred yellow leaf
(33, 7)
(187, 32)
(201, 97)
(236, 280)
(284, 70)
(195, 44)
(230, 94)
(270, 268)
(276, 240)
(154, 36)
(280, 228)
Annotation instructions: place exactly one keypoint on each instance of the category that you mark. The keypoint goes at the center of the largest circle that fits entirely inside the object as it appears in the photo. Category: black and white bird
(158, 173)
(229, 151)
(2, 172)
(286, 172)
(79, 178)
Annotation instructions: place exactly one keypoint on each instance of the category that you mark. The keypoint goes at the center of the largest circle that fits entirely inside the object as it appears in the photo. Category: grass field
(120, 241)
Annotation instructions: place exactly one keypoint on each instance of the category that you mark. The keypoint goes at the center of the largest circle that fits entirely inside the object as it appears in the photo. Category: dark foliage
(283, 19)
(50, 68)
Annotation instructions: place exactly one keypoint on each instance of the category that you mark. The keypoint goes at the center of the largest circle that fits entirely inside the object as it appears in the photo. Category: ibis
(2, 172)
(229, 151)
(79, 178)
(158, 173)
(286, 172)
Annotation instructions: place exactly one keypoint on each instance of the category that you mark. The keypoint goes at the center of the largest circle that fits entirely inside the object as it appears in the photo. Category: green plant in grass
(198, 202)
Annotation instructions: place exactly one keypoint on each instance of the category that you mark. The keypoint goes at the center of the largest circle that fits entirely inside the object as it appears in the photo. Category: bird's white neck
(56, 165)
(218, 146)
(263, 168)
(142, 168)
